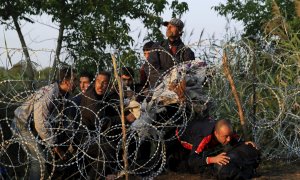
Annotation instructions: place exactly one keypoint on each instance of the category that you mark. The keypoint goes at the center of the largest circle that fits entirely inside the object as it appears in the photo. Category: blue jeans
(32, 149)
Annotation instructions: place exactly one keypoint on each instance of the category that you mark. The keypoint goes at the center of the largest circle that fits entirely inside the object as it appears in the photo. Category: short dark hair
(86, 74)
(127, 71)
(104, 73)
(148, 45)
(65, 73)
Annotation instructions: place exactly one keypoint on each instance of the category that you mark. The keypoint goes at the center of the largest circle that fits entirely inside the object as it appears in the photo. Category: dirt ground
(275, 169)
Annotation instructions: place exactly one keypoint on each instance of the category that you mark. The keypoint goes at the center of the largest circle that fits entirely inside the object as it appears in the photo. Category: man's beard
(172, 35)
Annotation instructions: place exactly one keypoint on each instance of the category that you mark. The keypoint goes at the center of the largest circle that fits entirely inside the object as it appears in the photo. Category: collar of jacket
(177, 42)
(98, 97)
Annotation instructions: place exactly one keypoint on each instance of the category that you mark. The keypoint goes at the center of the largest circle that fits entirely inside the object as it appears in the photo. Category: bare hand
(130, 118)
(58, 151)
(110, 177)
(179, 89)
(251, 143)
(220, 159)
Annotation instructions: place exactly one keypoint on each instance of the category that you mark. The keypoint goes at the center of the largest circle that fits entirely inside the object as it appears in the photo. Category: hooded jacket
(97, 109)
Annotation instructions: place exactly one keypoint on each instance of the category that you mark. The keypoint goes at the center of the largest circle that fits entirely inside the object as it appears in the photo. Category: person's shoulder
(88, 97)
(47, 91)
(159, 44)
(138, 87)
(77, 99)
(113, 95)
(49, 87)
(186, 47)
(90, 92)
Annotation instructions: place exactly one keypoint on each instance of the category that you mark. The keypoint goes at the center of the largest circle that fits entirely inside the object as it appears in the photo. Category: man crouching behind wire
(36, 119)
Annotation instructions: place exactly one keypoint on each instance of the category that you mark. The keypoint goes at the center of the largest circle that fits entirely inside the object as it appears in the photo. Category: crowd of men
(96, 110)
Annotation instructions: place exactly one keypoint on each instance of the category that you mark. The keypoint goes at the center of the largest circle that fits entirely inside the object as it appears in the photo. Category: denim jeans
(32, 149)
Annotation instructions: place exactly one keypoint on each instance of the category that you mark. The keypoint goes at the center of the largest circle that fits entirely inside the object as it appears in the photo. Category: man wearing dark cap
(168, 53)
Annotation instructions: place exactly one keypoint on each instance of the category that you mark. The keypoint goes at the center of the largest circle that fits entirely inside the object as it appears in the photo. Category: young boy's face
(147, 54)
(127, 80)
(84, 83)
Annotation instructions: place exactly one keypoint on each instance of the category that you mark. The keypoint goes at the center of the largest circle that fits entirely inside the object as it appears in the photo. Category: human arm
(251, 143)
(59, 152)
(41, 112)
(197, 160)
(236, 139)
(200, 152)
(130, 117)
(204, 152)
(220, 159)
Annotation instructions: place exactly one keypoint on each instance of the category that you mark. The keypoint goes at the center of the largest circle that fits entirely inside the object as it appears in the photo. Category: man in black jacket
(99, 113)
(210, 141)
(167, 53)
(98, 103)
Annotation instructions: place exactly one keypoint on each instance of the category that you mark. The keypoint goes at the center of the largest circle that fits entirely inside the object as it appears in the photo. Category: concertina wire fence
(271, 109)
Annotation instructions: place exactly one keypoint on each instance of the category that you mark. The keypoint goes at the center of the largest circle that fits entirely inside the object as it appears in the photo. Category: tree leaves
(256, 14)
(89, 27)
(93, 26)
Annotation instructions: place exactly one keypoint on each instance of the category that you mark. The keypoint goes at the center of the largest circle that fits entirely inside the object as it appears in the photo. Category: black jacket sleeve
(189, 55)
(195, 159)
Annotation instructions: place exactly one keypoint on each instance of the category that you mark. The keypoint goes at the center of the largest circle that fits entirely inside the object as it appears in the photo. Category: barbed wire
(274, 123)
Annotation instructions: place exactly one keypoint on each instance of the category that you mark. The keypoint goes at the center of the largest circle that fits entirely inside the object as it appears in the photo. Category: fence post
(235, 94)
(122, 116)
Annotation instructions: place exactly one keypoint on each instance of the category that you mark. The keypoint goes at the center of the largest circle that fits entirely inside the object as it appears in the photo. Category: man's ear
(215, 132)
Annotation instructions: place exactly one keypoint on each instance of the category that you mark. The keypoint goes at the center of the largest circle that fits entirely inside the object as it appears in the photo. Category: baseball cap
(176, 22)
